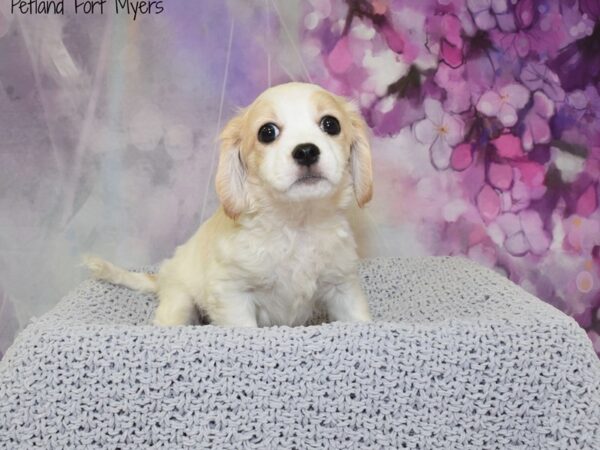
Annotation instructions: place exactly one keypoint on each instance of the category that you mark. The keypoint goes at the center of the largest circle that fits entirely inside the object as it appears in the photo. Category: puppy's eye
(330, 125)
(268, 133)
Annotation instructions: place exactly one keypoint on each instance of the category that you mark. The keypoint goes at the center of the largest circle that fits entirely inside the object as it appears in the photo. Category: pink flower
(521, 233)
(441, 131)
(531, 31)
(462, 156)
(525, 13)
(448, 28)
(504, 104)
(537, 130)
(508, 146)
(527, 184)
(500, 176)
(488, 203)
(456, 86)
(483, 12)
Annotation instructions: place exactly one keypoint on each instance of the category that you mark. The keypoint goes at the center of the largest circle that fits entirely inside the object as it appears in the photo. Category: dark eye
(330, 125)
(268, 133)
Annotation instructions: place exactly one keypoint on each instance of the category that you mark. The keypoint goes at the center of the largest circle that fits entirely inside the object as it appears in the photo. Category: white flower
(504, 104)
(441, 131)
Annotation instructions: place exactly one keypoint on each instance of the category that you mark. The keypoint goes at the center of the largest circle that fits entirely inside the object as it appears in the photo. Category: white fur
(277, 247)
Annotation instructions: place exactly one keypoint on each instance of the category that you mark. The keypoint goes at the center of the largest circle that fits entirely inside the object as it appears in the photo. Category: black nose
(306, 154)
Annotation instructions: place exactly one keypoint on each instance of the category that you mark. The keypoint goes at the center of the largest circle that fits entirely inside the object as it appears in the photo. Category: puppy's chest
(292, 258)
(289, 267)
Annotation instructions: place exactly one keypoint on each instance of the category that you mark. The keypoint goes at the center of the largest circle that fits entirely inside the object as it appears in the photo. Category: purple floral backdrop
(485, 119)
(503, 96)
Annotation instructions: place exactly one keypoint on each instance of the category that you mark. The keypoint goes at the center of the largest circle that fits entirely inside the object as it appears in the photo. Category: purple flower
(585, 104)
(445, 32)
(504, 104)
(488, 203)
(537, 76)
(520, 233)
(525, 13)
(537, 130)
(455, 84)
(578, 119)
(484, 12)
(536, 30)
(578, 64)
(441, 131)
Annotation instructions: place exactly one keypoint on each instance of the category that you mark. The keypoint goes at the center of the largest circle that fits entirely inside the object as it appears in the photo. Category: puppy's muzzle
(306, 154)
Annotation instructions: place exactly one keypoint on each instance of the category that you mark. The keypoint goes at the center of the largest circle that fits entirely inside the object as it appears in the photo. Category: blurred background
(485, 118)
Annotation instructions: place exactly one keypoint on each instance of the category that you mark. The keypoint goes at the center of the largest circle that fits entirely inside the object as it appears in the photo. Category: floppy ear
(360, 159)
(230, 179)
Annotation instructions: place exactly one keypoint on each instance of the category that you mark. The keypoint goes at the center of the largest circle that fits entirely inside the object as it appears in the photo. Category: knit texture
(458, 357)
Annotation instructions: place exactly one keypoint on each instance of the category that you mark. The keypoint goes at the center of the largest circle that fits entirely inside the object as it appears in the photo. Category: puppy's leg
(234, 310)
(346, 302)
(175, 307)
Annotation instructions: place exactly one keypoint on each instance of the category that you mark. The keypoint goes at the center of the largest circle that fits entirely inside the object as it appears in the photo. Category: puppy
(291, 165)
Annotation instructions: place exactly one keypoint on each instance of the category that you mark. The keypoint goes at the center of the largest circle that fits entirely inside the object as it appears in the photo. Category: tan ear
(230, 179)
(360, 159)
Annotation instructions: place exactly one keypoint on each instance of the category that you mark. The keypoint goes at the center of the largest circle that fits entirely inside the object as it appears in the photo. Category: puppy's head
(296, 142)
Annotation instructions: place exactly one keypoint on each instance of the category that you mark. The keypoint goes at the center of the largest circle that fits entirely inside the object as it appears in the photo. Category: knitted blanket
(458, 357)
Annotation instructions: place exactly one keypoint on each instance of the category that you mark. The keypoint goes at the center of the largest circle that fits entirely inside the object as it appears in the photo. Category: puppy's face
(296, 142)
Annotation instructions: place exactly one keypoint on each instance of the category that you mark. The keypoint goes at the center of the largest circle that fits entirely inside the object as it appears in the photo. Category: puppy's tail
(103, 270)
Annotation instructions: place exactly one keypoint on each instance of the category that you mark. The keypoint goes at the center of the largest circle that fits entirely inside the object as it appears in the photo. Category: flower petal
(455, 129)
(462, 157)
(507, 115)
(509, 223)
(451, 54)
(451, 29)
(525, 13)
(488, 203)
(489, 103)
(499, 6)
(500, 175)
(532, 173)
(517, 94)
(485, 20)
(522, 45)
(426, 131)
(542, 105)
(434, 111)
(516, 244)
(440, 154)
(527, 139)
(478, 5)
(540, 131)
(534, 232)
(520, 196)
(508, 146)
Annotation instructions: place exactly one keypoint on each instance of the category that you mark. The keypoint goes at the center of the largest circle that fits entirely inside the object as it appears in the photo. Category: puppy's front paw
(347, 303)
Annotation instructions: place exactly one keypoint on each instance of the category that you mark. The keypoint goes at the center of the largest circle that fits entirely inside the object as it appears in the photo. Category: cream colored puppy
(291, 164)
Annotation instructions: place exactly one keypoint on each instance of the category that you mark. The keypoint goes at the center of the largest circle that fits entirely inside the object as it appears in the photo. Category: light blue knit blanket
(458, 358)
